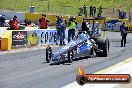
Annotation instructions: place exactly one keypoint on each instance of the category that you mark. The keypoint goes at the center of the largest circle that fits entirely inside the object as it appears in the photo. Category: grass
(62, 6)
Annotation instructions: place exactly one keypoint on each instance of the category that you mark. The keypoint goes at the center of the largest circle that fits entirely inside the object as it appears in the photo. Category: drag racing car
(83, 44)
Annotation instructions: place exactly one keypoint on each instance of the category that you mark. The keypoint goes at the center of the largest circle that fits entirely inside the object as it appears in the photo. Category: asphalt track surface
(28, 69)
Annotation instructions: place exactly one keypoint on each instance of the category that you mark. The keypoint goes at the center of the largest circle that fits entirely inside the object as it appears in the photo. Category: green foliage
(62, 6)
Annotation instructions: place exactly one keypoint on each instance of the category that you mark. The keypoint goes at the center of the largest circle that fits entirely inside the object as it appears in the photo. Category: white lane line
(120, 68)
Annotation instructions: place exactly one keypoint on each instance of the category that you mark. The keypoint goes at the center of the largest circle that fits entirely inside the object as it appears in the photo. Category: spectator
(80, 11)
(72, 27)
(61, 27)
(62, 30)
(124, 32)
(85, 10)
(43, 22)
(84, 26)
(14, 23)
(57, 28)
(91, 11)
(94, 11)
(100, 12)
(119, 13)
(2, 20)
(125, 14)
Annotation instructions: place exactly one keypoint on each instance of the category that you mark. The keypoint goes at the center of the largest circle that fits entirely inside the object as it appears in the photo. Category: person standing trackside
(124, 32)
(62, 30)
(57, 28)
(2, 20)
(61, 27)
(91, 11)
(94, 11)
(14, 23)
(100, 12)
(85, 10)
(72, 27)
(84, 26)
(43, 22)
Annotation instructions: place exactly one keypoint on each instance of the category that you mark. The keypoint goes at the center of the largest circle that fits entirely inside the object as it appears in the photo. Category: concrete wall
(6, 40)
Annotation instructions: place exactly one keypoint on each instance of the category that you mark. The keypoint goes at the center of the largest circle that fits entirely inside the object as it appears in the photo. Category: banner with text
(19, 39)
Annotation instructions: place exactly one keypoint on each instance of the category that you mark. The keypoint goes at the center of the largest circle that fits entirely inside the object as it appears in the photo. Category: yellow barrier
(125, 20)
(52, 18)
(130, 28)
(32, 16)
(79, 19)
(36, 16)
(6, 40)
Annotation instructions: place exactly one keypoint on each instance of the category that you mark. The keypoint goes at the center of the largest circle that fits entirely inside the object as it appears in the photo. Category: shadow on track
(66, 62)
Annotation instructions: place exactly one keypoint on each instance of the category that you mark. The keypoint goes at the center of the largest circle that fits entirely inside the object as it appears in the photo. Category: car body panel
(81, 46)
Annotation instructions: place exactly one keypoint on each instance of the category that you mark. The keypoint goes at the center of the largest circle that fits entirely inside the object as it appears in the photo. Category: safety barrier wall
(24, 38)
(2, 31)
(33, 37)
(130, 28)
(114, 24)
(6, 40)
(32, 16)
(52, 18)
(36, 16)
(108, 23)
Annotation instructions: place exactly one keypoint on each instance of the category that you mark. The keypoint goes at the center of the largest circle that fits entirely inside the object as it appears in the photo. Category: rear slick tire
(103, 45)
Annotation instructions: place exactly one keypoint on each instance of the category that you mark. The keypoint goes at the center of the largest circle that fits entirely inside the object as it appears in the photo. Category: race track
(28, 69)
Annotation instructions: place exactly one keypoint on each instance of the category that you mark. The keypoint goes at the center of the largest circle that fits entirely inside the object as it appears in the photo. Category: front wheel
(70, 56)
(48, 55)
(92, 52)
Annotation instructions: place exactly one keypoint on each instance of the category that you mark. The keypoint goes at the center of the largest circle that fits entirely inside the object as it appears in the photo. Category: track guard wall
(6, 40)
